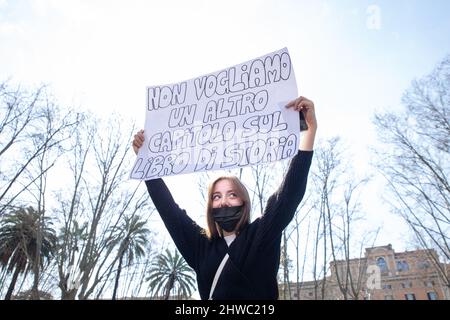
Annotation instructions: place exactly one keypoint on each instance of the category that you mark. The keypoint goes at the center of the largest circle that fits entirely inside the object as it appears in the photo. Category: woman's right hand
(138, 141)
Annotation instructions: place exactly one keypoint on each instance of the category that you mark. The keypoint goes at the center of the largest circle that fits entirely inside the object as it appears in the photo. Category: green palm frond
(20, 232)
(170, 272)
(18, 238)
(130, 237)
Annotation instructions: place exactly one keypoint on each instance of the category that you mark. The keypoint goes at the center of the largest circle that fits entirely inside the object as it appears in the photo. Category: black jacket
(251, 270)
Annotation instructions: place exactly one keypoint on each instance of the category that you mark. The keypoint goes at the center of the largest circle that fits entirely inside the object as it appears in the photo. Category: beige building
(382, 274)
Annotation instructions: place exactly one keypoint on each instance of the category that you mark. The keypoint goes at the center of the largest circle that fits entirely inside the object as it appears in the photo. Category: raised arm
(282, 205)
(186, 234)
(302, 104)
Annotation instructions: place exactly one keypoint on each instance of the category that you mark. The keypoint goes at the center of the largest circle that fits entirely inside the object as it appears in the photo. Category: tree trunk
(169, 287)
(69, 294)
(116, 285)
(13, 284)
(37, 262)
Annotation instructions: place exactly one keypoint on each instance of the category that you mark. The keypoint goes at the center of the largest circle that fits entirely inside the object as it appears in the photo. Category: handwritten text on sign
(231, 118)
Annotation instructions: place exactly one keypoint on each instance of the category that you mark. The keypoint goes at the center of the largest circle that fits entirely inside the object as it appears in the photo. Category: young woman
(233, 258)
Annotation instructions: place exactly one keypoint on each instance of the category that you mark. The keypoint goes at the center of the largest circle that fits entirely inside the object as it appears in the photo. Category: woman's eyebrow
(218, 192)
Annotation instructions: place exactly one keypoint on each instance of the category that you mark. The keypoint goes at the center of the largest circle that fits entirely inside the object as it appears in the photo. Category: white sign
(231, 118)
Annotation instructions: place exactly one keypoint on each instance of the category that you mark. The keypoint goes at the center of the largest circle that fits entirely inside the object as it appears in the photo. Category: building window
(402, 266)
(410, 296)
(310, 294)
(432, 295)
(381, 263)
(407, 284)
(389, 297)
(429, 284)
(387, 286)
(423, 265)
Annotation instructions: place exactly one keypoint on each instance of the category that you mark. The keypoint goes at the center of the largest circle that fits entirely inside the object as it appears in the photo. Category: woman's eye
(215, 197)
(232, 195)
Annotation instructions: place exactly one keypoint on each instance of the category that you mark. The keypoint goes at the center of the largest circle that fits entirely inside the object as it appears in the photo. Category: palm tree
(18, 240)
(131, 236)
(171, 271)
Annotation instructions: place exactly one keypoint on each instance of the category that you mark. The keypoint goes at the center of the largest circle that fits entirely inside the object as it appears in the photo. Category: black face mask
(227, 217)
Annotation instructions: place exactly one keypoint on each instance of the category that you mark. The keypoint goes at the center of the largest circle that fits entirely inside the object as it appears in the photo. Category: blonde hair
(241, 192)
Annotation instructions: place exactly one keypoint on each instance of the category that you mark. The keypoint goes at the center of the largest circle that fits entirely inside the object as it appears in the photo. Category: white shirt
(229, 239)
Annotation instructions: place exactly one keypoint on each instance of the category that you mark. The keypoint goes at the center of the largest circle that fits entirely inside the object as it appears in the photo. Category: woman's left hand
(302, 104)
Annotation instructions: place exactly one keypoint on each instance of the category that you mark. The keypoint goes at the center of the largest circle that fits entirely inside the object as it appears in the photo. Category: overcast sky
(350, 57)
